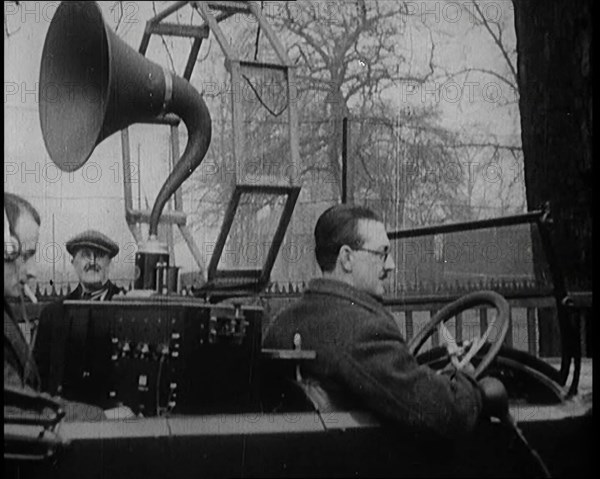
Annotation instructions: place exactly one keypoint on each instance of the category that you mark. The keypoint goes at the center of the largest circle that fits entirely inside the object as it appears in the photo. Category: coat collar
(343, 290)
(108, 289)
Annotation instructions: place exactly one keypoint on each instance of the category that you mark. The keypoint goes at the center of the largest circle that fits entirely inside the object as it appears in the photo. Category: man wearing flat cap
(92, 255)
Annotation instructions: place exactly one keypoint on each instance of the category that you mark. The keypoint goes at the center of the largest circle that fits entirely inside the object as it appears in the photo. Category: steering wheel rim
(468, 301)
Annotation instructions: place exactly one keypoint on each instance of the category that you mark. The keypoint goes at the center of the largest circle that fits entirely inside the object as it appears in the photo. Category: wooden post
(483, 322)
(345, 169)
(549, 333)
(459, 328)
(410, 330)
(531, 332)
(508, 341)
(435, 337)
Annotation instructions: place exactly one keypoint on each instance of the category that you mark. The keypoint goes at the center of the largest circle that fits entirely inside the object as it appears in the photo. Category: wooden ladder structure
(212, 14)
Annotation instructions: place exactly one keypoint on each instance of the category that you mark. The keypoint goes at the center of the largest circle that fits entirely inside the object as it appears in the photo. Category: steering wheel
(463, 303)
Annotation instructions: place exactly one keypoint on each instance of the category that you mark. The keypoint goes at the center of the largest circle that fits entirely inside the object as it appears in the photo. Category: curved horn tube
(189, 105)
(93, 84)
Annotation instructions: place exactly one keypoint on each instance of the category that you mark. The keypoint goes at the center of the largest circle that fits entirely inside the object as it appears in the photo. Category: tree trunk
(555, 84)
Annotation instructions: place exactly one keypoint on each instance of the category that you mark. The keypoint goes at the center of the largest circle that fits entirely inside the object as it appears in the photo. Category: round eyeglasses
(382, 254)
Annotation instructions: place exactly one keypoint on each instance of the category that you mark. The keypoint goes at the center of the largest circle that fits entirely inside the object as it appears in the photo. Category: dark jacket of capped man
(110, 290)
(361, 353)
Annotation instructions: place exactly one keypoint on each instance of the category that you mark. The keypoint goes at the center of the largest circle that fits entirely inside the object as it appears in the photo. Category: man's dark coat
(52, 334)
(360, 352)
(113, 290)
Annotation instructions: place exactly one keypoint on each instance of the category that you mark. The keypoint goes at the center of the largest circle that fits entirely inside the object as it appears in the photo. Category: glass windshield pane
(252, 231)
(499, 258)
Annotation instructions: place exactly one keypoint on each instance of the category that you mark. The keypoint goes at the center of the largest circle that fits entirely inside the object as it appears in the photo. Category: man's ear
(345, 258)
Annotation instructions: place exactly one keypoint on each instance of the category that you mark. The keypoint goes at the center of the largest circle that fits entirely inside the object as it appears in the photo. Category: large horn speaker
(92, 84)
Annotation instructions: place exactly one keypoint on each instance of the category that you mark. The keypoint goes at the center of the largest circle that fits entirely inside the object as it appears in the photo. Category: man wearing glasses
(360, 351)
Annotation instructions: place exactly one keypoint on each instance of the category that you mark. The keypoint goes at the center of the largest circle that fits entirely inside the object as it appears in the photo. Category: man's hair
(15, 206)
(336, 227)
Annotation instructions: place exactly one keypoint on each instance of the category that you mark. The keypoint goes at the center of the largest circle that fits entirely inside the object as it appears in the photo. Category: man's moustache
(91, 267)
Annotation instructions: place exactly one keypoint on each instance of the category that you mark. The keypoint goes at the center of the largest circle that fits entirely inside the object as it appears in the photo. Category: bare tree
(347, 55)
(503, 190)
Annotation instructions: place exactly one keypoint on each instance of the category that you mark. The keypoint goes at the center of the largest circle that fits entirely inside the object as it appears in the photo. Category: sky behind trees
(459, 53)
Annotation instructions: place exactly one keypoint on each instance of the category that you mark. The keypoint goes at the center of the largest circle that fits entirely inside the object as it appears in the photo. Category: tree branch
(498, 40)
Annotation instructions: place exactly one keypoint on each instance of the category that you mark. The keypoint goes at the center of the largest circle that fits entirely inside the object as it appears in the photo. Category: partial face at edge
(24, 269)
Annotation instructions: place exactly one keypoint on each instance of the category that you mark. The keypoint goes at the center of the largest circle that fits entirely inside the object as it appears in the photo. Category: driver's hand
(495, 397)
(468, 369)
(452, 367)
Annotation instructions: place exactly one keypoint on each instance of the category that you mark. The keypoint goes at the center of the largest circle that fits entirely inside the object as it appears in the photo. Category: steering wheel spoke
(474, 348)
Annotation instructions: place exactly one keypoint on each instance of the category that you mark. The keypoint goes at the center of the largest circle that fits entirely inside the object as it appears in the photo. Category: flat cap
(92, 239)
